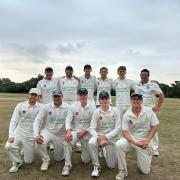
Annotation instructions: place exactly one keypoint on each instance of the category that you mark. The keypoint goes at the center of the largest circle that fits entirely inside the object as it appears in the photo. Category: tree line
(7, 86)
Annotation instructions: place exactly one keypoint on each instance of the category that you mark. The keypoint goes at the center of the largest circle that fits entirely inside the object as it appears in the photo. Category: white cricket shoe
(51, 147)
(44, 166)
(22, 152)
(121, 175)
(96, 171)
(15, 167)
(156, 153)
(66, 170)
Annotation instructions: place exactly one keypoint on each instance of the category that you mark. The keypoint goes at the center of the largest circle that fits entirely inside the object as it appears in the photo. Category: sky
(139, 34)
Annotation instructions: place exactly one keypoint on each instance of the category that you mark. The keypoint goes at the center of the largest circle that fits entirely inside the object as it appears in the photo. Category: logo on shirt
(50, 113)
(116, 84)
(63, 82)
(130, 122)
(82, 81)
(44, 85)
(77, 113)
(100, 118)
(98, 83)
(24, 112)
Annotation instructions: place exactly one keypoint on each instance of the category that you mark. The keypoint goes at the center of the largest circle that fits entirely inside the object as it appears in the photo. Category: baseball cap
(103, 94)
(57, 93)
(69, 68)
(87, 66)
(136, 94)
(33, 91)
(82, 91)
(48, 69)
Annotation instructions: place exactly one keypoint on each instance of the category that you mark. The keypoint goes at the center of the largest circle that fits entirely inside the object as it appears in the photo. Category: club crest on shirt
(130, 122)
(116, 84)
(50, 113)
(100, 118)
(44, 85)
(24, 111)
(82, 81)
(77, 113)
(63, 82)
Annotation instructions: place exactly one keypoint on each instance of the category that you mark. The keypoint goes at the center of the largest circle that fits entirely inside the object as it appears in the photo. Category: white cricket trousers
(85, 154)
(56, 140)
(28, 147)
(144, 157)
(155, 142)
(110, 156)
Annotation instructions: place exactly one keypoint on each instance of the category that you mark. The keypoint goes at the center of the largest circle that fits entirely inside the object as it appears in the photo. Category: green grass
(166, 166)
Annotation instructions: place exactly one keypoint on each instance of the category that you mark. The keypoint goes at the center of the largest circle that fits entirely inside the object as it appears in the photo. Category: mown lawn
(166, 166)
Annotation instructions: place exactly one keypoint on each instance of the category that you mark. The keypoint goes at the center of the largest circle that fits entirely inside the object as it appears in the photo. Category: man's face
(83, 98)
(87, 71)
(103, 73)
(48, 75)
(32, 98)
(69, 73)
(122, 73)
(104, 102)
(136, 101)
(144, 76)
(57, 100)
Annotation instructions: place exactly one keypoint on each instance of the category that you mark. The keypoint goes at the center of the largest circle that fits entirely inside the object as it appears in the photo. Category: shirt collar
(27, 103)
(109, 110)
(61, 106)
(87, 105)
(132, 114)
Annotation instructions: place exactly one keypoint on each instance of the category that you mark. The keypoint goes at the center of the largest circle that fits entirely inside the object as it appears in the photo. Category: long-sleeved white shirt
(52, 118)
(103, 85)
(45, 88)
(149, 91)
(79, 117)
(89, 84)
(23, 118)
(123, 88)
(69, 88)
(139, 127)
(106, 123)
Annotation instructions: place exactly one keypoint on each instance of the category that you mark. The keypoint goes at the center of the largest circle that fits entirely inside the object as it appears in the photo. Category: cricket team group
(61, 112)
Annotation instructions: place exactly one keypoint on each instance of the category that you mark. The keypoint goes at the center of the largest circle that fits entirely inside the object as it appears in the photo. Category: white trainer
(156, 153)
(121, 175)
(96, 171)
(44, 166)
(51, 147)
(66, 170)
(15, 167)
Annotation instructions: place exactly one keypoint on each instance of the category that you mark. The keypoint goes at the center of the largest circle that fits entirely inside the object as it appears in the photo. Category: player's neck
(122, 78)
(136, 110)
(84, 104)
(58, 104)
(87, 76)
(144, 81)
(105, 108)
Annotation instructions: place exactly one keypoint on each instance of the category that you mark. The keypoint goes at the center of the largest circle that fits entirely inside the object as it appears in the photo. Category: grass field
(166, 166)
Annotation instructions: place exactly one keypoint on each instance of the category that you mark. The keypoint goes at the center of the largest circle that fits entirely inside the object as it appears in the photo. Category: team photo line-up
(62, 113)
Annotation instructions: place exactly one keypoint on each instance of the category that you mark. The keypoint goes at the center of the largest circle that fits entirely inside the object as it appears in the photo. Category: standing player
(77, 123)
(149, 90)
(69, 86)
(104, 128)
(21, 130)
(123, 87)
(89, 82)
(139, 125)
(103, 83)
(53, 115)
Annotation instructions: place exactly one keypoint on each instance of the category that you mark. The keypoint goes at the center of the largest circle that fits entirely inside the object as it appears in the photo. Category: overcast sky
(138, 34)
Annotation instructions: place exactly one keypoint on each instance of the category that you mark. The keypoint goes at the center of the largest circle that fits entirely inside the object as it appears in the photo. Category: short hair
(121, 68)
(104, 68)
(48, 69)
(87, 66)
(69, 68)
(146, 70)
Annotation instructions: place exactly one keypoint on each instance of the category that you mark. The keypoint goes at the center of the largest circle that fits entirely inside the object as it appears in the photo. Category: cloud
(69, 48)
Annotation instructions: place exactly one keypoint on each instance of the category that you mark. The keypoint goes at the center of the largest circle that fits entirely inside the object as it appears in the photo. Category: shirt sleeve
(39, 120)
(134, 86)
(117, 127)
(157, 89)
(93, 125)
(69, 118)
(125, 126)
(14, 120)
(39, 88)
(154, 119)
(114, 84)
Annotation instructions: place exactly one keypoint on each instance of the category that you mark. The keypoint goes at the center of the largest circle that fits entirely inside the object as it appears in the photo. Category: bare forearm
(128, 136)
(151, 133)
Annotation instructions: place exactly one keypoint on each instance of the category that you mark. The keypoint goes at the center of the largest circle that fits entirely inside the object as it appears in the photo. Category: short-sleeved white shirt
(139, 127)
(103, 85)
(89, 84)
(79, 117)
(23, 118)
(123, 88)
(149, 92)
(69, 88)
(53, 119)
(45, 88)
